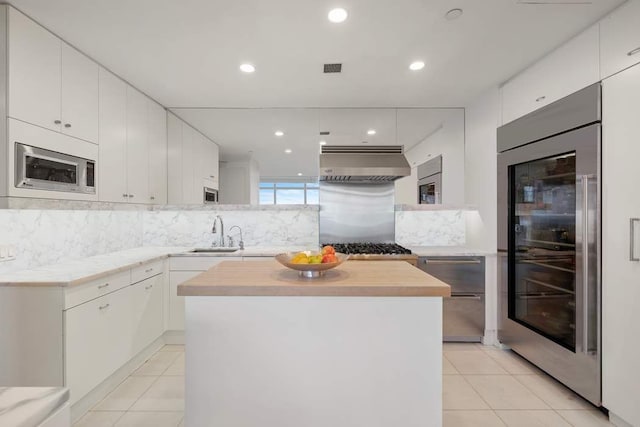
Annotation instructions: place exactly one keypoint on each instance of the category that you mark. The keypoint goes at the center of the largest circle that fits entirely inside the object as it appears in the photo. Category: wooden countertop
(351, 279)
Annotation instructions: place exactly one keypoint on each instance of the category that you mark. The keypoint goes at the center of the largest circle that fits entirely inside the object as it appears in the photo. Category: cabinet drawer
(463, 274)
(620, 39)
(80, 294)
(145, 271)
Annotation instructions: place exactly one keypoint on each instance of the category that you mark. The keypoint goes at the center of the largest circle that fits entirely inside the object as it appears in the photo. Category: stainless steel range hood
(368, 165)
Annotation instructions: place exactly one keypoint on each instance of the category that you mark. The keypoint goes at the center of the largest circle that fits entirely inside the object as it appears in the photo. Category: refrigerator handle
(632, 239)
(586, 326)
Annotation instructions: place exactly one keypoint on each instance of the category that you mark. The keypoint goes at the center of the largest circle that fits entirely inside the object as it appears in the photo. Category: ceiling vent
(332, 68)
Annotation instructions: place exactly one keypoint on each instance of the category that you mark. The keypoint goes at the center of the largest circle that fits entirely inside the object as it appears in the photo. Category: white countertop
(77, 272)
(30, 406)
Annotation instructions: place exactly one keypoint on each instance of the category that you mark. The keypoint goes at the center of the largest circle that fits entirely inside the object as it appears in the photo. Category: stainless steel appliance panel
(353, 213)
(41, 169)
(576, 110)
(430, 190)
(549, 225)
(464, 310)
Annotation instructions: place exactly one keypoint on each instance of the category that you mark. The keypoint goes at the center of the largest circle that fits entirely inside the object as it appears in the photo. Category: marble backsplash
(259, 228)
(430, 227)
(43, 237)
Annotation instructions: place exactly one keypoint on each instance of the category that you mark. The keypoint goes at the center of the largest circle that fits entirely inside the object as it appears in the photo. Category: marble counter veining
(448, 251)
(77, 272)
(30, 406)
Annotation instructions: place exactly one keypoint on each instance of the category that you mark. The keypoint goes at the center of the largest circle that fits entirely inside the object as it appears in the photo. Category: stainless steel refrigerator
(549, 239)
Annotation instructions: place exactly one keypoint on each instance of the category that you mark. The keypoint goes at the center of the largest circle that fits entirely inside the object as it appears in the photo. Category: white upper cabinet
(573, 66)
(79, 95)
(174, 159)
(210, 164)
(137, 147)
(620, 245)
(51, 84)
(34, 73)
(157, 133)
(620, 39)
(112, 182)
(192, 162)
(190, 148)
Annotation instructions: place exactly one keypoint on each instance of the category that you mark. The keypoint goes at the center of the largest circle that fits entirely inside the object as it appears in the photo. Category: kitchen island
(360, 346)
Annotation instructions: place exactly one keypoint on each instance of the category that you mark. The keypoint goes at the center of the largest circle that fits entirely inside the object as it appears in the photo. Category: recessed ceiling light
(323, 142)
(279, 133)
(453, 14)
(416, 65)
(337, 15)
(371, 132)
(247, 68)
(299, 173)
(288, 151)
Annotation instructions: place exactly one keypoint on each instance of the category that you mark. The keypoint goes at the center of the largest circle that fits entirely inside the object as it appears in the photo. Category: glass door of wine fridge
(549, 225)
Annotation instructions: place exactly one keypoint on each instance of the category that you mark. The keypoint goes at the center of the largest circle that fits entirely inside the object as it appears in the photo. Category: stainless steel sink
(214, 250)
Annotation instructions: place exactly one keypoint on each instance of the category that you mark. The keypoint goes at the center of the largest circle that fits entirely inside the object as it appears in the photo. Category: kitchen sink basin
(214, 250)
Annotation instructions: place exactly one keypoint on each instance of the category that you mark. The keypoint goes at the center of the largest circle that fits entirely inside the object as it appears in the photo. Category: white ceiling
(186, 54)
(241, 131)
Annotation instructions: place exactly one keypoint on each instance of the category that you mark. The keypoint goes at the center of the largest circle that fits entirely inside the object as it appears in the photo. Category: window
(289, 193)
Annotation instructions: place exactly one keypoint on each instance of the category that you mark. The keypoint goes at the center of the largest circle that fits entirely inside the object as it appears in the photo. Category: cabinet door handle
(212, 176)
(148, 287)
(148, 270)
(633, 52)
(632, 239)
(103, 286)
(102, 307)
(541, 98)
(130, 195)
(67, 125)
(57, 122)
(125, 195)
(153, 198)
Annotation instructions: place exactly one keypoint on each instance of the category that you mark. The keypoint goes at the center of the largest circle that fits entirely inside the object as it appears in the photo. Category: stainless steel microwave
(210, 195)
(41, 169)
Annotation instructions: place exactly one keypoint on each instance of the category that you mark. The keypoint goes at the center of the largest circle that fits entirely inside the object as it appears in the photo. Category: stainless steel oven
(549, 239)
(210, 195)
(41, 169)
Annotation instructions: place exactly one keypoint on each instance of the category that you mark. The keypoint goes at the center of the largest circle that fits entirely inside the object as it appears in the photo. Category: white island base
(313, 361)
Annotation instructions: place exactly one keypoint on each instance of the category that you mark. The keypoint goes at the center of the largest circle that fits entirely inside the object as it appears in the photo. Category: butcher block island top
(350, 279)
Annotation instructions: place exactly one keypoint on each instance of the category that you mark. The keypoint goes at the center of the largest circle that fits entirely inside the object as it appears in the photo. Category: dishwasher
(463, 311)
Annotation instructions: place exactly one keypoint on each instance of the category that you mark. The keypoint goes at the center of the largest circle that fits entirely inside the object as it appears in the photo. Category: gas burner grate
(369, 248)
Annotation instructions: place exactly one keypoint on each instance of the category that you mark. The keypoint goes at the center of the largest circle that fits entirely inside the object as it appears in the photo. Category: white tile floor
(482, 386)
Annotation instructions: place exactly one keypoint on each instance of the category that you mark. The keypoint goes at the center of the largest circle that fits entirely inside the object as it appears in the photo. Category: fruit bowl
(309, 270)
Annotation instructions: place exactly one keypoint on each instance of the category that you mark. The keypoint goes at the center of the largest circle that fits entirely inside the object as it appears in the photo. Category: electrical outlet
(7, 253)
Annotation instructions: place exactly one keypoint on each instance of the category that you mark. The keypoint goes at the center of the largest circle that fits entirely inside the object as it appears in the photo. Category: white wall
(447, 141)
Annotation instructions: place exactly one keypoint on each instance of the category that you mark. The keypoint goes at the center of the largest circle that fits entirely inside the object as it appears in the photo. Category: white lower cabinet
(101, 335)
(621, 245)
(97, 340)
(147, 315)
(182, 269)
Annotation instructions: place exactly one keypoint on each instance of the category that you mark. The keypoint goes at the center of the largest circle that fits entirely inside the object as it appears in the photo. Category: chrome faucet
(241, 242)
(214, 230)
